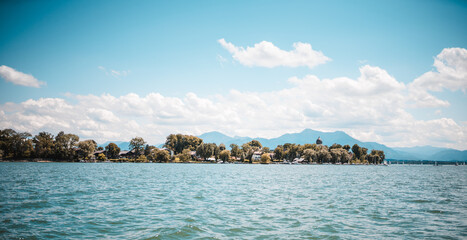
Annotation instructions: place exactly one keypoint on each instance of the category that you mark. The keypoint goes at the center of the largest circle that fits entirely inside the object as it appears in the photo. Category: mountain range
(329, 138)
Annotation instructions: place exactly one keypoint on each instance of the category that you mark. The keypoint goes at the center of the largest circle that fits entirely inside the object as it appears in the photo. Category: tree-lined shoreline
(178, 148)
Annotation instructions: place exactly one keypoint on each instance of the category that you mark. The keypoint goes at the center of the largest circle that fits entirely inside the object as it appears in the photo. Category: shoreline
(391, 162)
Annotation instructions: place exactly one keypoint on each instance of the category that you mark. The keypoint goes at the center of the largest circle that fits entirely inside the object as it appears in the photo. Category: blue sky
(172, 48)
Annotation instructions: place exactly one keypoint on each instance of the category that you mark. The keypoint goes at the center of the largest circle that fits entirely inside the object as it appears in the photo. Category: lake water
(185, 201)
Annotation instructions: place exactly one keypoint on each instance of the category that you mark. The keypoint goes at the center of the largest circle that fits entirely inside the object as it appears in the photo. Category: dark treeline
(177, 148)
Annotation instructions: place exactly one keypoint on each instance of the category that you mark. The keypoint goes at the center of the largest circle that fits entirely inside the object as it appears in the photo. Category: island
(178, 148)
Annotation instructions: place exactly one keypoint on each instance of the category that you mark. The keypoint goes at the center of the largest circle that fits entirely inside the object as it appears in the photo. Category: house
(96, 153)
(126, 154)
(257, 155)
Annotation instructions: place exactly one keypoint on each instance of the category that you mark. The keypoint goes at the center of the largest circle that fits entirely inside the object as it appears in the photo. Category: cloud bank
(372, 107)
(266, 54)
(19, 78)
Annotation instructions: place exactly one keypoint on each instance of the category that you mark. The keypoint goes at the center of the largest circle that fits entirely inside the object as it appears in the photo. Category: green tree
(334, 146)
(206, 150)
(291, 151)
(221, 147)
(64, 146)
(87, 148)
(376, 156)
(235, 151)
(279, 152)
(112, 150)
(310, 155)
(346, 147)
(137, 144)
(247, 151)
(357, 151)
(162, 156)
(225, 156)
(44, 145)
(323, 155)
(142, 158)
(265, 158)
(178, 142)
(184, 156)
(255, 144)
(101, 157)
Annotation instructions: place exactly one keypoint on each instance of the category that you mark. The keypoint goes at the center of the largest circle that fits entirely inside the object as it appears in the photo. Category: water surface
(173, 201)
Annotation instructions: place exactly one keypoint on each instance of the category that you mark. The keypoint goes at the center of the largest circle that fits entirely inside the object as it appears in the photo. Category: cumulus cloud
(451, 74)
(266, 54)
(19, 78)
(370, 108)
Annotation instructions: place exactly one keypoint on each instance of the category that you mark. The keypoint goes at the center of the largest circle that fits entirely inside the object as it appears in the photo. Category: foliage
(101, 157)
(178, 142)
(87, 148)
(310, 155)
(235, 151)
(112, 150)
(137, 144)
(17, 145)
(265, 158)
(225, 156)
(206, 150)
(279, 152)
(162, 156)
(64, 146)
(142, 158)
(184, 156)
(43, 145)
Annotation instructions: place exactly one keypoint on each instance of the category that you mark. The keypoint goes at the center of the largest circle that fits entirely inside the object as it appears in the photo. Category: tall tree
(310, 155)
(137, 144)
(162, 156)
(225, 156)
(112, 150)
(178, 142)
(64, 144)
(279, 152)
(221, 147)
(265, 158)
(357, 151)
(206, 150)
(87, 148)
(44, 145)
(235, 151)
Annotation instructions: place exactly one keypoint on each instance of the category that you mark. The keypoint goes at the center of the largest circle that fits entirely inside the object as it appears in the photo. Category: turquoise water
(185, 201)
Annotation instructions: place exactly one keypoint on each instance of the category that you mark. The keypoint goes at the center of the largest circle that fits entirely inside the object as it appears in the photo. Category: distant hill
(329, 138)
(122, 145)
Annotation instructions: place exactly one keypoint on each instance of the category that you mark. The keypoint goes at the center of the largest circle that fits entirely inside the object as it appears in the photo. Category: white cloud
(451, 73)
(266, 54)
(370, 108)
(19, 78)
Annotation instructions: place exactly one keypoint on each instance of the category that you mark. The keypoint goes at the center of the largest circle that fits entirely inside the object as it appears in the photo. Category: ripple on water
(178, 201)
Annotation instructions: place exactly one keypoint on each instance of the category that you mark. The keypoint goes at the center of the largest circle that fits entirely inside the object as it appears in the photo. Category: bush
(101, 157)
(142, 158)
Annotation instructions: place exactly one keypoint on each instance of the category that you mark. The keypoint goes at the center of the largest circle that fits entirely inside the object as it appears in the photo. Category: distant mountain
(422, 152)
(451, 154)
(329, 138)
(122, 145)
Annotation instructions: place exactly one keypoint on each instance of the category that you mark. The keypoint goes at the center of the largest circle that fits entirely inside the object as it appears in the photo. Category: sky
(393, 72)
